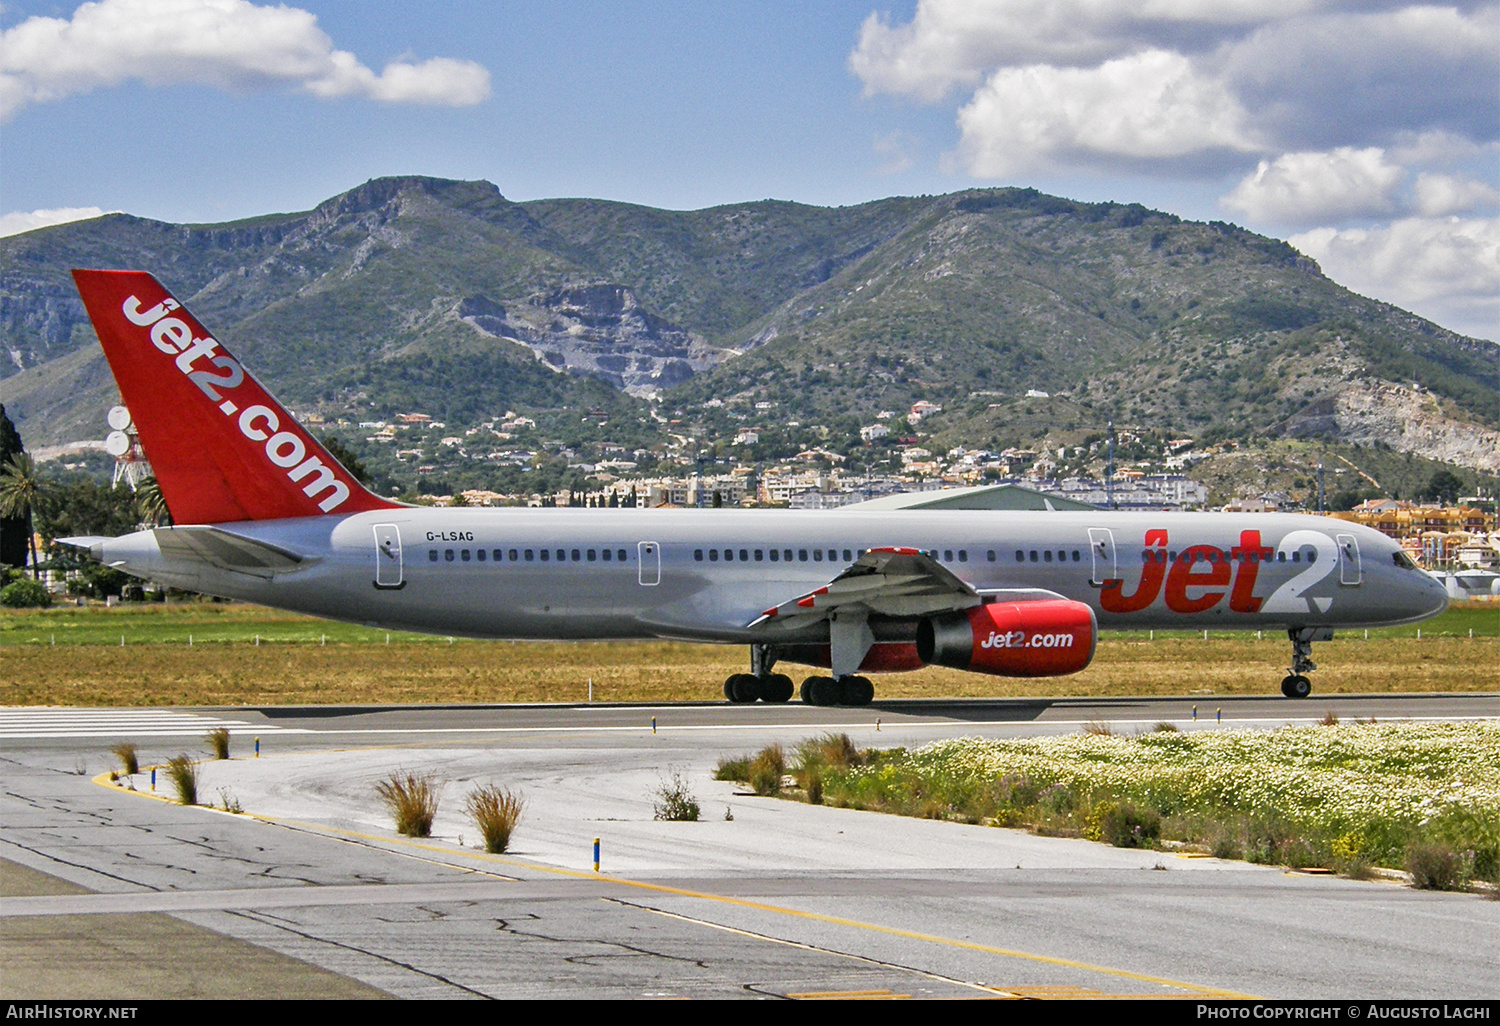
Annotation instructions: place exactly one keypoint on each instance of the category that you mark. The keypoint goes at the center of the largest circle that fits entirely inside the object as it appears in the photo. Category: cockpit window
(1404, 561)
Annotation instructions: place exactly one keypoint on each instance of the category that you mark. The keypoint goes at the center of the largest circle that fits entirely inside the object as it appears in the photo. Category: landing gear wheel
(856, 691)
(1296, 686)
(819, 691)
(776, 687)
(741, 688)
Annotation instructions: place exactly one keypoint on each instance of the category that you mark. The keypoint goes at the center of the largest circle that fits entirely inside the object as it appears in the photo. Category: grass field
(202, 653)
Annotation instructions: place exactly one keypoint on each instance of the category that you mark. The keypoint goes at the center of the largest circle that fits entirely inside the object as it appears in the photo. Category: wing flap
(889, 581)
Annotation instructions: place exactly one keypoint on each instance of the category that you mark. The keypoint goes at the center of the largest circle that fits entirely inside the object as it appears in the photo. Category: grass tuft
(412, 799)
(1164, 727)
(228, 802)
(767, 769)
(1098, 729)
(496, 811)
(218, 741)
(675, 802)
(183, 773)
(735, 769)
(130, 759)
(1330, 719)
(1436, 867)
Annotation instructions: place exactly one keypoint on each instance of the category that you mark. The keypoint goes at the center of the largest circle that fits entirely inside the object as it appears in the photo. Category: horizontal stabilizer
(227, 550)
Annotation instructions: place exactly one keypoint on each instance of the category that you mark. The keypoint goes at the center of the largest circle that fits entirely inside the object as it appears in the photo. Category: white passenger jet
(263, 513)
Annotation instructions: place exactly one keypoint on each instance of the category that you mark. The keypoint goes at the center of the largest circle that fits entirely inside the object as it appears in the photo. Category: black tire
(777, 687)
(819, 691)
(1296, 686)
(856, 691)
(742, 688)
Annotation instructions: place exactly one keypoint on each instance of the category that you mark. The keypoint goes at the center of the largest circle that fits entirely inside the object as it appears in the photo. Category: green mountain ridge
(443, 296)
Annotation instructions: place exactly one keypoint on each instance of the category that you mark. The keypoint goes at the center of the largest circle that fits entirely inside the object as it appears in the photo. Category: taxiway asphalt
(782, 899)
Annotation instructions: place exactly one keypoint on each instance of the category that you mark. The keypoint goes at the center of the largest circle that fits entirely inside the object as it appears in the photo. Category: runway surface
(760, 898)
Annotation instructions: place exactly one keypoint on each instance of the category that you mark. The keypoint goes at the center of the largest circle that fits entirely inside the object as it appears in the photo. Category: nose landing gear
(1296, 684)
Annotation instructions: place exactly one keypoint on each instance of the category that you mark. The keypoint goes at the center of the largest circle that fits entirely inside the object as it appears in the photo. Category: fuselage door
(388, 556)
(1349, 568)
(649, 554)
(1102, 545)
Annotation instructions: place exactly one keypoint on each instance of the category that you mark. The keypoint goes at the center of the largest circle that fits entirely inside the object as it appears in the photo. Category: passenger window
(802, 555)
(744, 555)
(513, 555)
(759, 555)
(848, 556)
(817, 555)
(448, 555)
(1077, 555)
(528, 555)
(729, 555)
(561, 555)
(775, 555)
(479, 555)
(577, 556)
(786, 555)
(963, 555)
(1312, 555)
(833, 555)
(713, 555)
(697, 555)
(592, 555)
(546, 555)
(1033, 555)
(498, 553)
(1047, 555)
(1020, 556)
(620, 554)
(948, 556)
(1062, 556)
(432, 555)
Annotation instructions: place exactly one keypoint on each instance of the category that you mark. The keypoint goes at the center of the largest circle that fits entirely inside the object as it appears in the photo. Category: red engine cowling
(1046, 638)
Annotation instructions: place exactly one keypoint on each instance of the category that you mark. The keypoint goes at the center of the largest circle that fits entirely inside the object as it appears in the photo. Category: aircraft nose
(1434, 597)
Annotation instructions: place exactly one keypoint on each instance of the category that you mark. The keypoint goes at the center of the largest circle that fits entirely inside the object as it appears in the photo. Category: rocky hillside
(444, 296)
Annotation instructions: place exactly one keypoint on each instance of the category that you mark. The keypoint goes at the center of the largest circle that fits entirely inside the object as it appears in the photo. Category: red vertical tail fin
(222, 448)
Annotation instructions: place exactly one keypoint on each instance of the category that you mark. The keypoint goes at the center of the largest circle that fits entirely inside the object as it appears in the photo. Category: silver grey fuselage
(420, 568)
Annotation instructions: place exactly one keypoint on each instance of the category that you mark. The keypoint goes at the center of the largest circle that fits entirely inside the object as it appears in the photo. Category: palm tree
(22, 496)
(152, 503)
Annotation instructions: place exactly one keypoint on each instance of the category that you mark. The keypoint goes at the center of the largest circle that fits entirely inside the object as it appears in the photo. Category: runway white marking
(48, 723)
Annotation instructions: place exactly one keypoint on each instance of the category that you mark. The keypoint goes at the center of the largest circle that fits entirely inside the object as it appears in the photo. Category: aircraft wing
(889, 581)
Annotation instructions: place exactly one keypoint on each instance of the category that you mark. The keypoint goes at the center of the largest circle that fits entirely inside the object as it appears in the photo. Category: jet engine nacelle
(1012, 639)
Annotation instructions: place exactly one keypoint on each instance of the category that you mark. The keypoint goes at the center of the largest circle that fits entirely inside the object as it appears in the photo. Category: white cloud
(1308, 188)
(19, 221)
(226, 44)
(1446, 269)
(1148, 106)
(1437, 195)
(959, 42)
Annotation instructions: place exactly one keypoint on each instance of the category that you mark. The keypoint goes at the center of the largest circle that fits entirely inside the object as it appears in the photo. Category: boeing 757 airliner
(263, 513)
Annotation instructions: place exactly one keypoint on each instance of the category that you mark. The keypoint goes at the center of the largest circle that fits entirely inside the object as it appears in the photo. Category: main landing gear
(747, 687)
(850, 689)
(1296, 684)
(760, 684)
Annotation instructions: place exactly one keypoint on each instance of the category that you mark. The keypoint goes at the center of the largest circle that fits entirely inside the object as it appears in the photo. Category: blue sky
(1365, 133)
